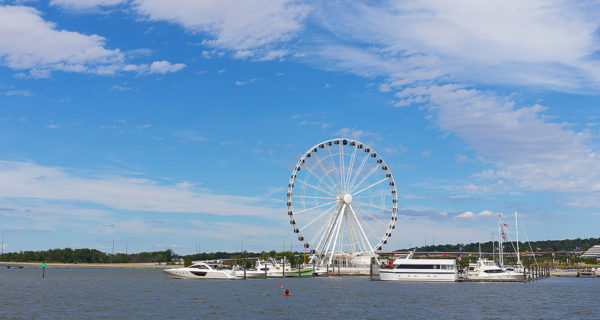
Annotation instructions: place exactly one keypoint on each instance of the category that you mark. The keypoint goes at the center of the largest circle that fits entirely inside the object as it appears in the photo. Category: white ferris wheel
(342, 199)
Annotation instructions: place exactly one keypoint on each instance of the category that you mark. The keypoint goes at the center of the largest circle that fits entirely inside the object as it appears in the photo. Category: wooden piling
(244, 268)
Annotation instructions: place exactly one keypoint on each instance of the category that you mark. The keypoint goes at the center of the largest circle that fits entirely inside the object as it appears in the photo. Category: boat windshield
(494, 271)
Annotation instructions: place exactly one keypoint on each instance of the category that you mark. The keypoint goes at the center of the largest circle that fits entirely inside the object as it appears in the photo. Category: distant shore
(51, 265)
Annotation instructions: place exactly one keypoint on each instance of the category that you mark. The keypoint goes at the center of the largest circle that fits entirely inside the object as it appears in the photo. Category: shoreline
(53, 265)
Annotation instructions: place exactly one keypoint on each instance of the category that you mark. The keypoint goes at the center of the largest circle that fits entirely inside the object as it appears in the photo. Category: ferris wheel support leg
(363, 233)
(327, 233)
(337, 231)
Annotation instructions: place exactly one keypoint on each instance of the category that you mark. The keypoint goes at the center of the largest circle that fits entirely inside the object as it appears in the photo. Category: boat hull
(393, 275)
(506, 276)
(182, 273)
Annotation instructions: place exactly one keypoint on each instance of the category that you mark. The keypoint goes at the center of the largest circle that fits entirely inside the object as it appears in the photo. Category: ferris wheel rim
(347, 197)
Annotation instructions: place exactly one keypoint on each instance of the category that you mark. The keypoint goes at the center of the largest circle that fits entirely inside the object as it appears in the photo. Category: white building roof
(592, 252)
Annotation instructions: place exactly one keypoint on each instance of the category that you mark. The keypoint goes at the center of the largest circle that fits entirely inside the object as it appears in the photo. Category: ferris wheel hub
(347, 198)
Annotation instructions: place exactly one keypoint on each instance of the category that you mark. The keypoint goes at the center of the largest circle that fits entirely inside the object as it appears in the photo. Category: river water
(149, 294)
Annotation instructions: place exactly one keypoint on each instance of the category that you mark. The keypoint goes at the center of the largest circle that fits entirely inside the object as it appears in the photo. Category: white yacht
(274, 268)
(487, 270)
(409, 269)
(201, 271)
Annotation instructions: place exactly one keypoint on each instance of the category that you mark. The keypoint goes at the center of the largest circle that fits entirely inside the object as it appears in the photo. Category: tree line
(542, 245)
(69, 255)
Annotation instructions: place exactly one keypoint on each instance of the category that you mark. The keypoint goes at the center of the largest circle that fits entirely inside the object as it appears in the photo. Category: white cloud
(245, 82)
(465, 215)
(85, 4)
(25, 93)
(471, 215)
(250, 28)
(160, 67)
(552, 44)
(242, 54)
(354, 133)
(117, 87)
(31, 43)
(52, 126)
(34, 182)
(186, 136)
(527, 149)
(165, 66)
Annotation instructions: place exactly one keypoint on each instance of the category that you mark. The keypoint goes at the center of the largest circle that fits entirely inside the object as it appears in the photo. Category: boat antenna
(479, 249)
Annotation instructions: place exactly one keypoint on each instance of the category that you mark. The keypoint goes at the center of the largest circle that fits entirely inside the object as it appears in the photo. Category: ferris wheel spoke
(360, 168)
(360, 240)
(342, 168)
(367, 176)
(336, 231)
(350, 167)
(372, 196)
(350, 236)
(372, 232)
(319, 206)
(369, 187)
(323, 182)
(372, 206)
(328, 231)
(361, 229)
(318, 217)
(316, 188)
(313, 197)
(331, 180)
(323, 231)
(334, 168)
(365, 213)
(363, 217)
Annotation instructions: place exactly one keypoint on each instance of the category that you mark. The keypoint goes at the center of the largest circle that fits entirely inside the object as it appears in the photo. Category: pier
(11, 265)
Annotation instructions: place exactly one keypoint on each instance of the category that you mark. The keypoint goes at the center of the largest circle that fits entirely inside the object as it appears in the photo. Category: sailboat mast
(500, 247)
(517, 229)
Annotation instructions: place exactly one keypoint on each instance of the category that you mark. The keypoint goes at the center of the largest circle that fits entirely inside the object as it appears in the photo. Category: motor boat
(274, 268)
(201, 271)
(487, 270)
(409, 269)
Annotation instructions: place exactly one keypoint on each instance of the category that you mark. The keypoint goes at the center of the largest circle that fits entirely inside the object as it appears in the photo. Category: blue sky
(166, 124)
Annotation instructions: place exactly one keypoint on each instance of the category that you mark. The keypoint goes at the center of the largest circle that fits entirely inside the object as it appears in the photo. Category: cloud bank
(31, 43)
